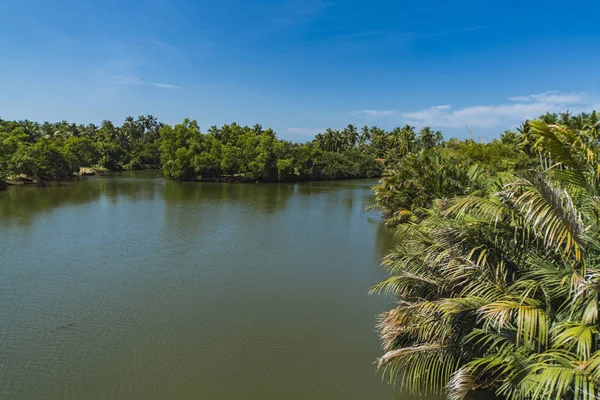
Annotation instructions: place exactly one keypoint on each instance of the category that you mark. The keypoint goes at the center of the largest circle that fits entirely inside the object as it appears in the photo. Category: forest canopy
(232, 152)
(56, 151)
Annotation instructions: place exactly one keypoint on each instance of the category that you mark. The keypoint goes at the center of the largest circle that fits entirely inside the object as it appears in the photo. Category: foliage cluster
(496, 274)
(55, 151)
(251, 153)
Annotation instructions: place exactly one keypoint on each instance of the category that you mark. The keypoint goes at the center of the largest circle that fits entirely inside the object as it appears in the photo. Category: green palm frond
(555, 374)
(578, 337)
(525, 315)
(423, 369)
(549, 212)
(562, 145)
(500, 293)
(489, 209)
(398, 284)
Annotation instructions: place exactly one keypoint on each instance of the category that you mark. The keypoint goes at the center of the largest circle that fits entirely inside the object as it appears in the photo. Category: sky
(300, 66)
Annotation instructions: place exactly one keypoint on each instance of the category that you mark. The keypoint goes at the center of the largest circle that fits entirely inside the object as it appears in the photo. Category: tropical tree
(407, 139)
(215, 131)
(500, 294)
(257, 128)
(428, 139)
(418, 179)
(331, 140)
(351, 135)
(380, 141)
(365, 135)
(592, 125)
(319, 140)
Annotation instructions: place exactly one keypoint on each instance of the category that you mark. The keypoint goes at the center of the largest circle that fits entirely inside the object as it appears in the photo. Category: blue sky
(300, 66)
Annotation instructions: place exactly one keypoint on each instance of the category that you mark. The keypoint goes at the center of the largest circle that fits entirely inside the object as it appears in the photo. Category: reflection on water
(384, 238)
(133, 287)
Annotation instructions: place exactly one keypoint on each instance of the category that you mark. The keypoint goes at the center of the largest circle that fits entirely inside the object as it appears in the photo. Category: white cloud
(128, 80)
(505, 115)
(306, 131)
(551, 97)
(371, 114)
(164, 85)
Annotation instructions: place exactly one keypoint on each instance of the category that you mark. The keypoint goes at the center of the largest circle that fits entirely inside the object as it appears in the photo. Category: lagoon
(136, 287)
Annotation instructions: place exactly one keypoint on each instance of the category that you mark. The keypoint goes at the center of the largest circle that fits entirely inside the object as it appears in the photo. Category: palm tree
(319, 140)
(149, 123)
(32, 129)
(523, 130)
(406, 137)
(351, 135)
(398, 142)
(577, 122)
(365, 135)
(439, 138)
(565, 118)
(427, 138)
(133, 130)
(592, 125)
(394, 138)
(500, 294)
(418, 179)
(214, 131)
(331, 140)
(549, 118)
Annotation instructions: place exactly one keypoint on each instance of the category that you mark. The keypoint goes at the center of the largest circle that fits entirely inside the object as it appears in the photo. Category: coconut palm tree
(365, 135)
(257, 129)
(351, 135)
(549, 118)
(214, 131)
(331, 140)
(319, 140)
(427, 138)
(592, 125)
(407, 139)
(565, 118)
(500, 294)
(394, 138)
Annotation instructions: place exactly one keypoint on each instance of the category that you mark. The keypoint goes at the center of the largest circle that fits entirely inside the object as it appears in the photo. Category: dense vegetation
(55, 151)
(496, 267)
(251, 153)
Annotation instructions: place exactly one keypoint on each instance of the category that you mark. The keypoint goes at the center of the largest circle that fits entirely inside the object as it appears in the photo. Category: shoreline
(89, 172)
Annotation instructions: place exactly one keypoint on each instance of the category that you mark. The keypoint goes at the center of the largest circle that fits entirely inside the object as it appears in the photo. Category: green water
(134, 287)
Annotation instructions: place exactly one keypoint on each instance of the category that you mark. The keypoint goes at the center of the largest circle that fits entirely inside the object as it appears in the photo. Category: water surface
(135, 287)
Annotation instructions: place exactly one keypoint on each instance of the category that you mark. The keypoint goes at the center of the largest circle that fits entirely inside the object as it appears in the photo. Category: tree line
(496, 267)
(56, 151)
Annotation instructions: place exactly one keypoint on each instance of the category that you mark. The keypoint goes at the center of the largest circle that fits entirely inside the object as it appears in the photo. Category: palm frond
(550, 213)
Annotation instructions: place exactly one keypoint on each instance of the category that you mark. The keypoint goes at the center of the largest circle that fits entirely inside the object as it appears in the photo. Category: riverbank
(23, 179)
(83, 172)
(90, 171)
